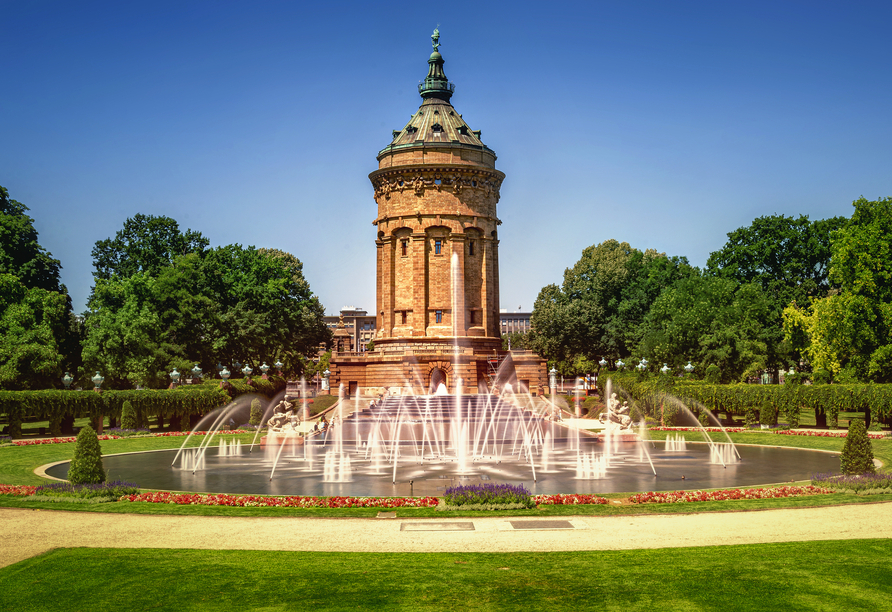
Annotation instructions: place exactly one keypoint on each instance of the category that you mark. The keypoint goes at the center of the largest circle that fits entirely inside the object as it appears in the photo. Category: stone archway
(437, 377)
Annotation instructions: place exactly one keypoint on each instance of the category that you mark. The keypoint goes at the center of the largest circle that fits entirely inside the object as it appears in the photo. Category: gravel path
(27, 532)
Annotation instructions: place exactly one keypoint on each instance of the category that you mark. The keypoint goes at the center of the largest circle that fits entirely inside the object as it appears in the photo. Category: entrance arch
(438, 377)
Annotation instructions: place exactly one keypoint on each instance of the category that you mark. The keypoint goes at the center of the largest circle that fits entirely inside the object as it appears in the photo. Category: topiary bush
(713, 374)
(86, 466)
(256, 412)
(821, 376)
(751, 417)
(767, 413)
(128, 416)
(857, 452)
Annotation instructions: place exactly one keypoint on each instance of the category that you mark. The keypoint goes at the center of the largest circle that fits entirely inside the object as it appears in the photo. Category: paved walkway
(27, 532)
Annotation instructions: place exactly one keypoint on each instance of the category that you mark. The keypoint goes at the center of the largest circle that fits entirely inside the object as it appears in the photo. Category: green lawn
(827, 575)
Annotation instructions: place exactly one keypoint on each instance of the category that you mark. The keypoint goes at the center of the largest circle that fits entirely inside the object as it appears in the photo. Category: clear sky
(664, 124)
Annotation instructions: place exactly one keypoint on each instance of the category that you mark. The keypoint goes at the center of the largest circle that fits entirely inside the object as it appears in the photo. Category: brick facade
(437, 308)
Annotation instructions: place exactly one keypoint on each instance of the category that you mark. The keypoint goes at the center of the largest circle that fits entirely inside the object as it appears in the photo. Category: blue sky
(664, 124)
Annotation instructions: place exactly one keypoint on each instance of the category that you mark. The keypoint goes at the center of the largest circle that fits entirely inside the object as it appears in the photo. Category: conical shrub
(128, 416)
(86, 466)
(857, 452)
(256, 412)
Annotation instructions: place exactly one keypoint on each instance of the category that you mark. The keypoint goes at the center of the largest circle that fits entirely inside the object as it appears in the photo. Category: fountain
(379, 446)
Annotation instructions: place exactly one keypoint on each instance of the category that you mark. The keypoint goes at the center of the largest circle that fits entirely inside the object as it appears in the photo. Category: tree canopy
(37, 332)
(207, 305)
(849, 332)
(145, 244)
(600, 307)
(20, 253)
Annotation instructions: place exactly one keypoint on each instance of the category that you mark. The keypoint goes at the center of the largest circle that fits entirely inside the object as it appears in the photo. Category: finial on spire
(435, 38)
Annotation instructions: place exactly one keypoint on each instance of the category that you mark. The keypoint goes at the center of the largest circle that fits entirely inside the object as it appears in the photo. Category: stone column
(457, 278)
(419, 283)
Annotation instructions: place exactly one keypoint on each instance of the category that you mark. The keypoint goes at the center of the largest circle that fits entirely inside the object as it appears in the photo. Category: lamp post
(689, 368)
(603, 363)
(325, 375)
(665, 369)
(642, 365)
(264, 368)
(279, 365)
(620, 365)
(552, 379)
(196, 374)
(247, 372)
(97, 381)
(174, 378)
(224, 374)
(67, 380)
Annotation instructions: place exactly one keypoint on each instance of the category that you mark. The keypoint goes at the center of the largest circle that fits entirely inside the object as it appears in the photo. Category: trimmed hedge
(653, 395)
(184, 401)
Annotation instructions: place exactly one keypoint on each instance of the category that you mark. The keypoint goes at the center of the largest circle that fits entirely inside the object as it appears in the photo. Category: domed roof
(436, 121)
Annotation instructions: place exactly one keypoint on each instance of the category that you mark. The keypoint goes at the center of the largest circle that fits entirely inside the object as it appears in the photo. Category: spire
(436, 85)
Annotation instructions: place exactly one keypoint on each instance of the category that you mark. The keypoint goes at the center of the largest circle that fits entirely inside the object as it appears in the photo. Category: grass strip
(825, 575)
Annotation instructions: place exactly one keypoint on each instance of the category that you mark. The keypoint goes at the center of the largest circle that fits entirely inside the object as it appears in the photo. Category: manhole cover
(541, 524)
(431, 526)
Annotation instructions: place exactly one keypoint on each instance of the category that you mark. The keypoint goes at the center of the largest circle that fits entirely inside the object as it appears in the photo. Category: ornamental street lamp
(325, 383)
(552, 378)
(97, 381)
(247, 372)
(689, 368)
(603, 363)
(196, 373)
(665, 369)
(620, 365)
(225, 374)
(642, 365)
(279, 365)
(264, 368)
(175, 378)
(67, 380)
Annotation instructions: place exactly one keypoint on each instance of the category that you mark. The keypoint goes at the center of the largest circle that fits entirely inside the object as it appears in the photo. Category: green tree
(600, 307)
(128, 416)
(145, 244)
(857, 452)
(86, 465)
(219, 305)
(20, 253)
(709, 320)
(33, 324)
(789, 258)
(256, 412)
(38, 331)
(851, 330)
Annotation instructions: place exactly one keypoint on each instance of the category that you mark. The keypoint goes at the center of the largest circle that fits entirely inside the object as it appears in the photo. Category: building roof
(436, 121)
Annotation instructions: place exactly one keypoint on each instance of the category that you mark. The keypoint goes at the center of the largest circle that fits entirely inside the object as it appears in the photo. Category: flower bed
(163, 434)
(855, 482)
(18, 491)
(195, 499)
(825, 434)
(567, 500)
(782, 432)
(710, 429)
(676, 497)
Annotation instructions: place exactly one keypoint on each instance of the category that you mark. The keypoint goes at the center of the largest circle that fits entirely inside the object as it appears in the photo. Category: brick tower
(437, 306)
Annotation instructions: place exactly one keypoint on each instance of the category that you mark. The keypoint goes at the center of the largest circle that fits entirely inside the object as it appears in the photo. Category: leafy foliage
(163, 299)
(599, 309)
(86, 465)
(256, 412)
(20, 253)
(145, 244)
(848, 333)
(128, 416)
(857, 452)
(709, 320)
